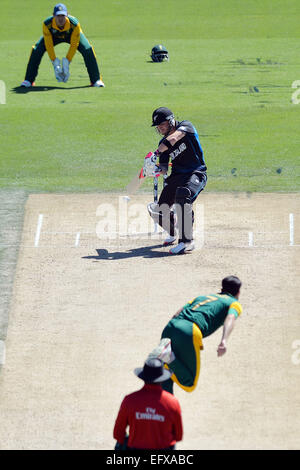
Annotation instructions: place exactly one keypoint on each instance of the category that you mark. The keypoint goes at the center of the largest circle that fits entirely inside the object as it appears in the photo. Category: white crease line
(291, 229)
(2, 353)
(38, 230)
(271, 231)
(77, 239)
(250, 238)
(92, 244)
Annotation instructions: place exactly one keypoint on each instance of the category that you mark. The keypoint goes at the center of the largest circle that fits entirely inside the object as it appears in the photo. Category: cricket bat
(135, 183)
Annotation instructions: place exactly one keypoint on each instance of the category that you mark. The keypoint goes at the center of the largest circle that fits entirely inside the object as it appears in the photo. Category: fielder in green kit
(62, 28)
(181, 340)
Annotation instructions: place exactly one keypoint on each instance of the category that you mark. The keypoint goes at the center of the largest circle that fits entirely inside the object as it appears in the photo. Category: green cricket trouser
(186, 341)
(84, 47)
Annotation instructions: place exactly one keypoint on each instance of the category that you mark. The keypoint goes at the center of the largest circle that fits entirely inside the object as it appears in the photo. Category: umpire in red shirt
(152, 414)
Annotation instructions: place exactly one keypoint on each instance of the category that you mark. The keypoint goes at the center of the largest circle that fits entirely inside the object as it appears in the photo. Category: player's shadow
(33, 89)
(144, 252)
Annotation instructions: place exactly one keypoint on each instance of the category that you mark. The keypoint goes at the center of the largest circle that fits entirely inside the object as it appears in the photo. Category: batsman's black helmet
(162, 114)
(159, 53)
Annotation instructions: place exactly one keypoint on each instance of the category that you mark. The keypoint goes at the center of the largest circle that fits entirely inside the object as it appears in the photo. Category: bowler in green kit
(182, 337)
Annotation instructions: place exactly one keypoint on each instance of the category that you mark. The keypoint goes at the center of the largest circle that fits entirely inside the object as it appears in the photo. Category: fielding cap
(60, 9)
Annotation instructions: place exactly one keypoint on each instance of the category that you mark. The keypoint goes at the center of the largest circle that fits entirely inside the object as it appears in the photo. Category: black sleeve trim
(167, 143)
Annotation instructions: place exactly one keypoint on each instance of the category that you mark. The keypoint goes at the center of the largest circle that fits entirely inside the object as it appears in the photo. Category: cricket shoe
(27, 84)
(182, 248)
(163, 351)
(169, 240)
(98, 84)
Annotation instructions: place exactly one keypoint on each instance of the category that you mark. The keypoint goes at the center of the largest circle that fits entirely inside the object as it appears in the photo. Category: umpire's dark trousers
(182, 190)
(84, 47)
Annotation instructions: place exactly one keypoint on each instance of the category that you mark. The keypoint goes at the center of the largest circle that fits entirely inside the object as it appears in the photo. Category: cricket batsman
(58, 28)
(182, 337)
(180, 146)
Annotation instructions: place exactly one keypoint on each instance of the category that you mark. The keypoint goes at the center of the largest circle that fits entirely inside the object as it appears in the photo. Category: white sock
(172, 357)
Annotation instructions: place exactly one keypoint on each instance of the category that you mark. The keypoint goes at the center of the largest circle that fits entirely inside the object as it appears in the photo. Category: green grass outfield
(231, 69)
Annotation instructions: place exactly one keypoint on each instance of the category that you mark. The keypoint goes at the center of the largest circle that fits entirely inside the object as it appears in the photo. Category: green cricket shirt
(209, 312)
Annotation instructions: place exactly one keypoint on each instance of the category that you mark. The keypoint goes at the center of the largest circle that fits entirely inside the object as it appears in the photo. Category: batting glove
(57, 70)
(150, 168)
(65, 69)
